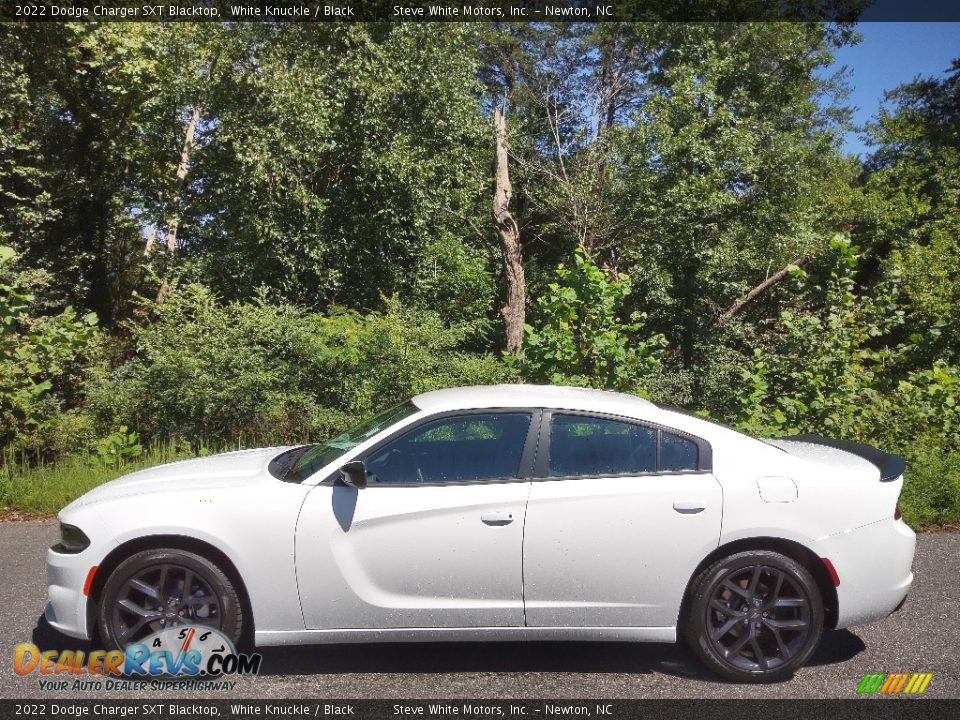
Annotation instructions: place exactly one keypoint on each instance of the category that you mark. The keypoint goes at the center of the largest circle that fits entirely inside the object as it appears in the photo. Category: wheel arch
(792, 549)
(176, 542)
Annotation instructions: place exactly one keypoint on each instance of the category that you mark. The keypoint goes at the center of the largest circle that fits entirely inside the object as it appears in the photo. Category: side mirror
(354, 474)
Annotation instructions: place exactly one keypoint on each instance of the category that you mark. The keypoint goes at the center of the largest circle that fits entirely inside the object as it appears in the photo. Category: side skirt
(507, 634)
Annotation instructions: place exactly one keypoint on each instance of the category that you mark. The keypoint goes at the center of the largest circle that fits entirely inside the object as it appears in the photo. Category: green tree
(80, 96)
(349, 175)
(910, 217)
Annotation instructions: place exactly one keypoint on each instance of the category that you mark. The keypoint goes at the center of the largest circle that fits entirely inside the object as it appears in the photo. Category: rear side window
(590, 446)
(468, 448)
(596, 446)
(677, 453)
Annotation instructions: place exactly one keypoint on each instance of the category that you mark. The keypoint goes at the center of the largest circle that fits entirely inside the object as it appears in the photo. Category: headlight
(72, 540)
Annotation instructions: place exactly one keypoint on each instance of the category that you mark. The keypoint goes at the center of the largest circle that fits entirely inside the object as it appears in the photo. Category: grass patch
(931, 490)
(45, 489)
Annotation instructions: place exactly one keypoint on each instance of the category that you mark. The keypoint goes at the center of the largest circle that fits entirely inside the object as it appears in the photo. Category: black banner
(902, 709)
(478, 10)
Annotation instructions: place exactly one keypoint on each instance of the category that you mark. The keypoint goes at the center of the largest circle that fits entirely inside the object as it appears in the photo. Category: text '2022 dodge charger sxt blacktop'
(510, 512)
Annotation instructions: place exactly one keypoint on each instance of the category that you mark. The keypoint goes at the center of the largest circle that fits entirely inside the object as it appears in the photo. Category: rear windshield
(300, 463)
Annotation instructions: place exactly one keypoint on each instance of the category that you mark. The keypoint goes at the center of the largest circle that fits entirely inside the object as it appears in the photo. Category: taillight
(896, 512)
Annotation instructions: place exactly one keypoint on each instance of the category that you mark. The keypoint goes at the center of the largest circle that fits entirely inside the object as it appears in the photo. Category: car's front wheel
(155, 589)
(754, 616)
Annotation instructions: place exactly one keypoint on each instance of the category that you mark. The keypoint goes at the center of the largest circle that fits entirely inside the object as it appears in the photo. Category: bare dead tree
(151, 243)
(508, 233)
(576, 163)
(183, 167)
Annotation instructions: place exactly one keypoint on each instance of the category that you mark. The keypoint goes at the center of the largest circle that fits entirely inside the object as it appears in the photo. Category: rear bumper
(874, 564)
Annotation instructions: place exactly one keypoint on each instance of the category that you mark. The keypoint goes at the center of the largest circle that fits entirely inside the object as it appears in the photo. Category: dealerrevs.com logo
(894, 683)
(196, 655)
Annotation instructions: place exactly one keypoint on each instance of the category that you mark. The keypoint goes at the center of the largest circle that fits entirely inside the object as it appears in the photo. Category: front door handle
(689, 507)
(496, 518)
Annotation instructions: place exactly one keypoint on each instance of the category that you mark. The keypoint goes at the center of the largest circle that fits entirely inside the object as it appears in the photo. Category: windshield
(317, 456)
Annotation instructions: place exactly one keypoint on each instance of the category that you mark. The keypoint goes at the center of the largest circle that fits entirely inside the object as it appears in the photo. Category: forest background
(220, 236)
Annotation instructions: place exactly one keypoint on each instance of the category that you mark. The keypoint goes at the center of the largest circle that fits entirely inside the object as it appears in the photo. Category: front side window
(306, 463)
(466, 448)
(598, 447)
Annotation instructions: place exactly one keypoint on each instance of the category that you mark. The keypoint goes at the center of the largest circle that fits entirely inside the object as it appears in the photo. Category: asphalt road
(923, 636)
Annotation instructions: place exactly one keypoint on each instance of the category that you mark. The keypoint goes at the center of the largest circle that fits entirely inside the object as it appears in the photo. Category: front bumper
(67, 605)
(874, 566)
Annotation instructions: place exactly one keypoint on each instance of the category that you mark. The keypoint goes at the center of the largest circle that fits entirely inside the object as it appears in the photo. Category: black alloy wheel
(157, 589)
(755, 616)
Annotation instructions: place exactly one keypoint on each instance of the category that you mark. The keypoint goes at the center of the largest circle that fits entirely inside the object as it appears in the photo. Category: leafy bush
(931, 491)
(253, 373)
(834, 370)
(926, 404)
(580, 338)
(823, 370)
(118, 448)
(37, 355)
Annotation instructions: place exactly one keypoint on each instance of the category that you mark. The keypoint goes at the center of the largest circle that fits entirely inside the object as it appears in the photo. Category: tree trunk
(173, 222)
(508, 232)
(151, 243)
(182, 168)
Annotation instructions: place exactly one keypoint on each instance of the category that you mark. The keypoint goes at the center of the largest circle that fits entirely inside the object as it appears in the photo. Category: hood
(216, 471)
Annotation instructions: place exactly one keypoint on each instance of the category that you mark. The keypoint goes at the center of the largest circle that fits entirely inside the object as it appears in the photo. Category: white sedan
(500, 513)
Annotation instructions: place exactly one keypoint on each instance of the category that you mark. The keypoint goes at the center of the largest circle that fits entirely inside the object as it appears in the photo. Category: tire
(152, 582)
(754, 617)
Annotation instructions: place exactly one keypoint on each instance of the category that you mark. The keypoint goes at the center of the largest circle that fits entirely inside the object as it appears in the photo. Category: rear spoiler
(890, 466)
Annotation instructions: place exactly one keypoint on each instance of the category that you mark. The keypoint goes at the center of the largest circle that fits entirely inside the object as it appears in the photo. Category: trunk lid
(853, 457)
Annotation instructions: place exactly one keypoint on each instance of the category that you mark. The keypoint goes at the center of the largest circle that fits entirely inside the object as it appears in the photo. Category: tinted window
(456, 449)
(677, 453)
(595, 446)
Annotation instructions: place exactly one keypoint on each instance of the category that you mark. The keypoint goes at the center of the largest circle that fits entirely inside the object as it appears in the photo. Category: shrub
(253, 373)
(834, 370)
(38, 355)
(580, 337)
(824, 369)
(931, 491)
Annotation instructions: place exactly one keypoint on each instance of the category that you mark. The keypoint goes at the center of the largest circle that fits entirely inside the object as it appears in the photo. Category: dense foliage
(213, 373)
(38, 358)
(581, 338)
(216, 236)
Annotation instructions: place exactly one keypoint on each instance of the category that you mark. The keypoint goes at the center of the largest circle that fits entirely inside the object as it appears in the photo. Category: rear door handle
(497, 518)
(689, 507)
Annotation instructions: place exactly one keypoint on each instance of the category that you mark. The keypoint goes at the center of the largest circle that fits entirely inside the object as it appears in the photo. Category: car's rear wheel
(155, 589)
(754, 616)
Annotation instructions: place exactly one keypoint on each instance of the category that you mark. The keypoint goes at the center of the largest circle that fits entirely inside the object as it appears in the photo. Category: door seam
(526, 512)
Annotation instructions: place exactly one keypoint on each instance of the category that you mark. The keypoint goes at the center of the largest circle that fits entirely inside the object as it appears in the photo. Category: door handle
(496, 518)
(689, 507)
